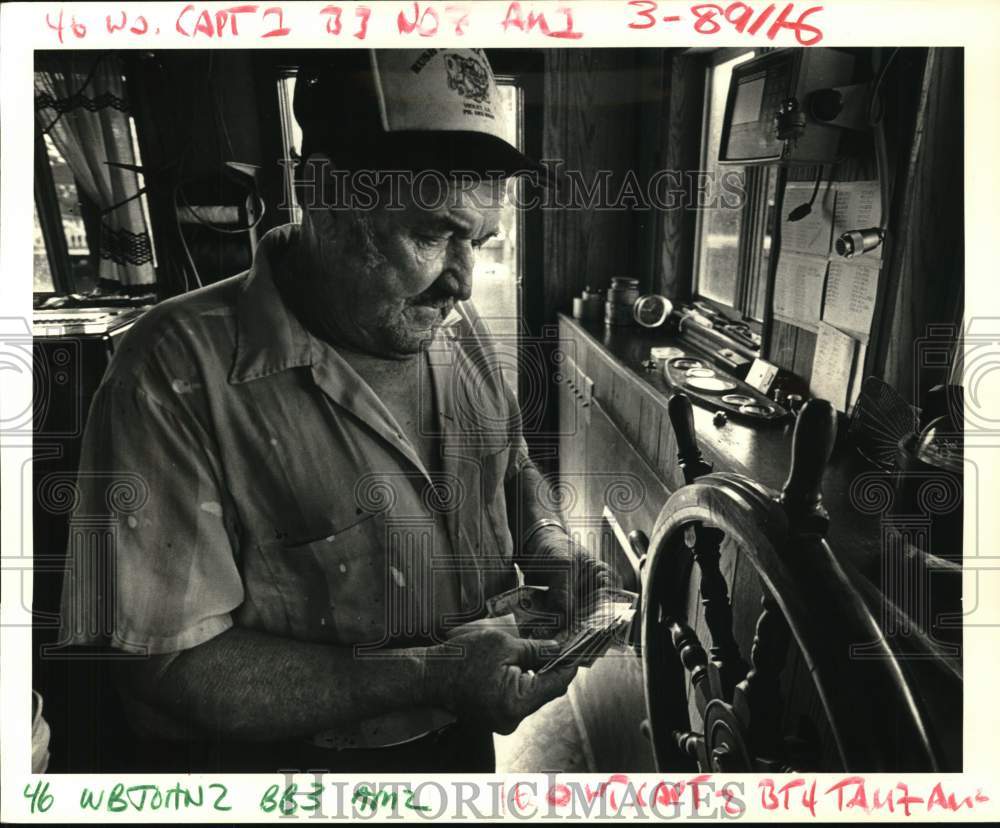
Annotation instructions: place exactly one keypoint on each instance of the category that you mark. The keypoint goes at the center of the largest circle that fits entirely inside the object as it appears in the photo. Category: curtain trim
(80, 101)
(124, 247)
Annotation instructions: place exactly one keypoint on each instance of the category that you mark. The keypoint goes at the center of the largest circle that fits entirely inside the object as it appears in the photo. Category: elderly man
(333, 479)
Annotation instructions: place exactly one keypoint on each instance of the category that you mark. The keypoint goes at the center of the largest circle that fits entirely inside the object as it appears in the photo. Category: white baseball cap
(406, 109)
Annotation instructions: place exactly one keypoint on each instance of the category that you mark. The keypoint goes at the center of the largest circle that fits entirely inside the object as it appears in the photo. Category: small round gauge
(683, 363)
(757, 409)
(713, 384)
(703, 373)
(651, 310)
(737, 399)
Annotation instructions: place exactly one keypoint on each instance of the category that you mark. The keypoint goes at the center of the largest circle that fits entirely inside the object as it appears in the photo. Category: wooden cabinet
(602, 473)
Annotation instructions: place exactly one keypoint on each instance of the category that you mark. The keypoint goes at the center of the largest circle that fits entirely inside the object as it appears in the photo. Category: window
(732, 236)
(291, 141)
(81, 274)
(91, 217)
(43, 282)
(498, 267)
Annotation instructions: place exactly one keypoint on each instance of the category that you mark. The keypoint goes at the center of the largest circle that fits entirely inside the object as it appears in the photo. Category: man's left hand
(574, 577)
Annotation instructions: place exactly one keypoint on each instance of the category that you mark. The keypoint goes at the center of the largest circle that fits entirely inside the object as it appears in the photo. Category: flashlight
(856, 242)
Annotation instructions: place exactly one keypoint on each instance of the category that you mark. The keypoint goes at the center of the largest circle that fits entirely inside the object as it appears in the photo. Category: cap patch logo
(468, 77)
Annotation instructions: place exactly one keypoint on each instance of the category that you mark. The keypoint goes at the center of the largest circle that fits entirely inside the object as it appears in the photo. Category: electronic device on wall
(790, 106)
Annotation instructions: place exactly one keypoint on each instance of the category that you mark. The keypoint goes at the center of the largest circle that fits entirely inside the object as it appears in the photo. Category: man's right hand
(487, 676)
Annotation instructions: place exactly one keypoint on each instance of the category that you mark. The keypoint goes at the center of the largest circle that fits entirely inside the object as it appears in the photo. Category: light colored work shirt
(261, 482)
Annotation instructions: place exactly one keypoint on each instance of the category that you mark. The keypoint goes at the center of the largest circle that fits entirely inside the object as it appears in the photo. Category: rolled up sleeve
(152, 565)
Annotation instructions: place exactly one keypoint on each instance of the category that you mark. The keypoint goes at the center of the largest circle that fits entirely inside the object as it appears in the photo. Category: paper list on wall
(858, 207)
(798, 289)
(852, 284)
(811, 233)
(851, 287)
(833, 366)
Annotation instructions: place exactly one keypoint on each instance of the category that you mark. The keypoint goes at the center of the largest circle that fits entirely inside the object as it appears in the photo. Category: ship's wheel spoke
(705, 544)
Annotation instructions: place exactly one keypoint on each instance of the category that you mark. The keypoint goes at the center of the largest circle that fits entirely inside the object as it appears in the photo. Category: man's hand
(573, 576)
(491, 680)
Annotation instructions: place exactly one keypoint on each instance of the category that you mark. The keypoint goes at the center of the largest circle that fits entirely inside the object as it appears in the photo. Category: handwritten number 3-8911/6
(710, 18)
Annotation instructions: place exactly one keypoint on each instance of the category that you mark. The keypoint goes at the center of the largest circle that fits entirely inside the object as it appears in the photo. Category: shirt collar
(269, 338)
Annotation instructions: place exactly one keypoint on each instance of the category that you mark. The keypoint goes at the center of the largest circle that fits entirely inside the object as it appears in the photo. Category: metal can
(593, 304)
(622, 295)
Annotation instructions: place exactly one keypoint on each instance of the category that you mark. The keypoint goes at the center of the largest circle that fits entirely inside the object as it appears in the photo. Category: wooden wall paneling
(572, 435)
(577, 347)
(793, 348)
(568, 458)
(612, 705)
(683, 101)
(610, 694)
(612, 459)
(625, 406)
(573, 467)
(784, 338)
(573, 440)
(805, 350)
(666, 463)
(602, 372)
(589, 126)
(649, 92)
(651, 418)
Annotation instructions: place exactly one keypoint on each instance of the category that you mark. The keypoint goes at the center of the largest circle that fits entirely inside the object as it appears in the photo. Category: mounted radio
(789, 107)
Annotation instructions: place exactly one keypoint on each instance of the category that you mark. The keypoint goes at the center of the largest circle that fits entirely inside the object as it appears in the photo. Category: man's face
(384, 279)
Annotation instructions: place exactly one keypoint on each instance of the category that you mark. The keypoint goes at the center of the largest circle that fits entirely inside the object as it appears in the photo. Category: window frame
(50, 221)
(50, 215)
(284, 74)
(751, 271)
(512, 80)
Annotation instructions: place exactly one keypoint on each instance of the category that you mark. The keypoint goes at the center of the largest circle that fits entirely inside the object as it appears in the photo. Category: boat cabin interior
(730, 316)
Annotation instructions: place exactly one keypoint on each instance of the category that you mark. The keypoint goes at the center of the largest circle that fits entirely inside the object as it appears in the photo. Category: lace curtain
(80, 102)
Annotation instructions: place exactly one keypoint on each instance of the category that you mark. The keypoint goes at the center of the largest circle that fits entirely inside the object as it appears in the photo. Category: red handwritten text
(79, 30)
(191, 23)
(536, 20)
(740, 15)
(334, 24)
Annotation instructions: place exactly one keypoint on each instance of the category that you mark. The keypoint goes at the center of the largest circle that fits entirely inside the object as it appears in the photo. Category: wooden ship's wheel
(719, 702)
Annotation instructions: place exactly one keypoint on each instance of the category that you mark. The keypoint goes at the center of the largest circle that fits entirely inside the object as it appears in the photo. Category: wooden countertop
(761, 452)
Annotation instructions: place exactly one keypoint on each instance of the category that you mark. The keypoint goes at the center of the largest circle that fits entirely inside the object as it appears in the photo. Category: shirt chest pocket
(333, 589)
